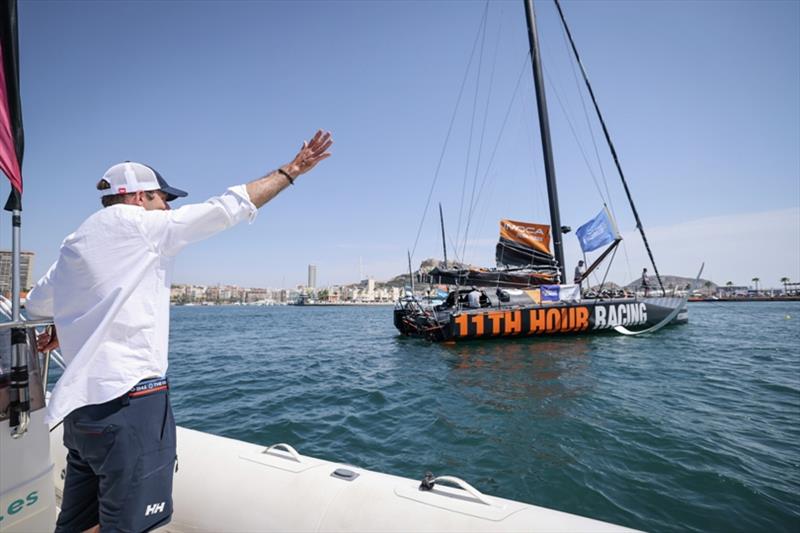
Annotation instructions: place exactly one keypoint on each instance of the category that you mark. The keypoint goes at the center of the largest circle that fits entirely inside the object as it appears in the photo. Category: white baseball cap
(130, 177)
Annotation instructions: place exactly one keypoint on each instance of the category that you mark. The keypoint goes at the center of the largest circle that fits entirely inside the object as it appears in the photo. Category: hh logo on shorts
(154, 508)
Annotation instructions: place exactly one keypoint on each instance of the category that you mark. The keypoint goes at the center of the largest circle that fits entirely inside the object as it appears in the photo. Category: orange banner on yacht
(535, 236)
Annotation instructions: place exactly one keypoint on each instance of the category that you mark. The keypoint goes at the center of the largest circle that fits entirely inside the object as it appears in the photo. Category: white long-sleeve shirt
(108, 294)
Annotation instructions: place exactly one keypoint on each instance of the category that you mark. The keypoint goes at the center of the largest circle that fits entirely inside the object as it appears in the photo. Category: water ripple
(695, 428)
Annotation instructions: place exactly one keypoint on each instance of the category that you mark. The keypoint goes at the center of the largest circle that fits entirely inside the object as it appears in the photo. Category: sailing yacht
(528, 294)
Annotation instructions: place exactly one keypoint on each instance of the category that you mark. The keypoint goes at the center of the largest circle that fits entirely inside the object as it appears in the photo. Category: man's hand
(47, 340)
(311, 153)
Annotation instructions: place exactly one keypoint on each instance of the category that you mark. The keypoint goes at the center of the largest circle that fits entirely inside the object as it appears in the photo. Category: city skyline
(27, 278)
(706, 129)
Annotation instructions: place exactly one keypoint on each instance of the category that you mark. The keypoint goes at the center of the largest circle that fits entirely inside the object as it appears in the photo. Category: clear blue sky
(702, 100)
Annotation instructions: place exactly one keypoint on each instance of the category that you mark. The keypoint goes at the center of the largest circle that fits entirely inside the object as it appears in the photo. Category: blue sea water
(695, 428)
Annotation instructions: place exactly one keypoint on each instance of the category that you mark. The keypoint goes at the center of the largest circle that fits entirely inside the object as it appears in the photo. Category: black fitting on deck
(427, 482)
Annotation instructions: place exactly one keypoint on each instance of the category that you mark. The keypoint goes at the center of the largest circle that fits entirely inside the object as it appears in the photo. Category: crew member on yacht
(645, 284)
(108, 293)
(474, 298)
(578, 277)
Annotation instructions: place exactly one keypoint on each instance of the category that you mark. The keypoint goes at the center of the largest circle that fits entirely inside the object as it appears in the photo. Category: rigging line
(483, 135)
(627, 259)
(532, 140)
(610, 198)
(582, 98)
(608, 268)
(503, 125)
(574, 134)
(447, 136)
(472, 124)
(452, 247)
(639, 225)
(484, 182)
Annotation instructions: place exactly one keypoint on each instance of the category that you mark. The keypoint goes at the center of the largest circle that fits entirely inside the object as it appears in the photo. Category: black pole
(444, 242)
(547, 148)
(600, 259)
(639, 225)
(410, 273)
(19, 391)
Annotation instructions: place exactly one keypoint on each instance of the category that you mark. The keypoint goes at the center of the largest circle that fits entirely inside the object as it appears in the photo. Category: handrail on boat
(27, 323)
(30, 327)
(463, 485)
(285, 447)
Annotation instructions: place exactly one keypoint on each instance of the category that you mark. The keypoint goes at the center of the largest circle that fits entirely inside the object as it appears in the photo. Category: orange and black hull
(557, 318)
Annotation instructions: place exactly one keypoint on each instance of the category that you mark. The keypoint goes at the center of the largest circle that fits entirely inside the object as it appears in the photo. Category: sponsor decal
(547, 320)
(533, 235)
(16, 506)
(550, 293)
(522, 322)
(533, 232)
(629, 314)
(121, 190)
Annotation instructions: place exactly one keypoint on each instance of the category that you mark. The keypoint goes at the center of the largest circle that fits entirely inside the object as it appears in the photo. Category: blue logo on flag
(597, 232)
(549, 293)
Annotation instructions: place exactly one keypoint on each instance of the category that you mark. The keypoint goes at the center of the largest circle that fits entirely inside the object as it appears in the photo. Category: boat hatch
(345, 474)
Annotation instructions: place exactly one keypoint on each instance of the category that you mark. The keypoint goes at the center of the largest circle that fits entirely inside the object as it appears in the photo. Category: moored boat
(527, 293)
(520, 313)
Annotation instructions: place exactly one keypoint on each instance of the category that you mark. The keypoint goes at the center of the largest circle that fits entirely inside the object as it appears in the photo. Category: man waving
(108, 294)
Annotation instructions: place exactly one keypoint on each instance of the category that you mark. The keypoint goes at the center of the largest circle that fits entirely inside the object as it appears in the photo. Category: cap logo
(122, 190)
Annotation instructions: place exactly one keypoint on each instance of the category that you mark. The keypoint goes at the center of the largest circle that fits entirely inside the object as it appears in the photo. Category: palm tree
(785, 282)
(756, 280)
(728, 292)
(707, 286)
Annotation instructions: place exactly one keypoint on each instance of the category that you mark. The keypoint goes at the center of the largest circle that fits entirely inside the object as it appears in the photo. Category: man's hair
(113, 199)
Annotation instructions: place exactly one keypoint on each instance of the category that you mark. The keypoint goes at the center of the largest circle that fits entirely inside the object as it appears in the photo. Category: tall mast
(547, 148)
(444, 242)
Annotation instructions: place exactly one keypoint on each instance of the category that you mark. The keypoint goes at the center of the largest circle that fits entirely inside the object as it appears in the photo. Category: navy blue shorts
(120, 463)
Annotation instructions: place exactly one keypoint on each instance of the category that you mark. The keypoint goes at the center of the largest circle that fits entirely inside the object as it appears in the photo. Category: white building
(25, 270)
(370, 290)
(312, 277)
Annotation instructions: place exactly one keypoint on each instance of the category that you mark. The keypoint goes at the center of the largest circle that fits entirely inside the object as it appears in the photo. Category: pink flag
(8, 152)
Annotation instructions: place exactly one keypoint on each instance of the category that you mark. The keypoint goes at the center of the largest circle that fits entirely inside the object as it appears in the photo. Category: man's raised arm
(312, 152)
(170, 230)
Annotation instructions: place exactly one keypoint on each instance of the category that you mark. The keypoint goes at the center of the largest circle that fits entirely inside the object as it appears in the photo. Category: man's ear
(138, 198)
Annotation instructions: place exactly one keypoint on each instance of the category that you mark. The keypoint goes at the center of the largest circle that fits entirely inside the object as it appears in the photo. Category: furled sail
(523, 244)
(523, 260)
(491, 277)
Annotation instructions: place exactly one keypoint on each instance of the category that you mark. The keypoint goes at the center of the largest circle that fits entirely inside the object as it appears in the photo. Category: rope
(582, 99)
(556, 92)
(639, 225)
(447, 137)
(480, 144)
(472, 125)
(499, 135)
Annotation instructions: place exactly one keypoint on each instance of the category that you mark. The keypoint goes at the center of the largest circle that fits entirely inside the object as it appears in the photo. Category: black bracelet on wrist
(287, 176)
